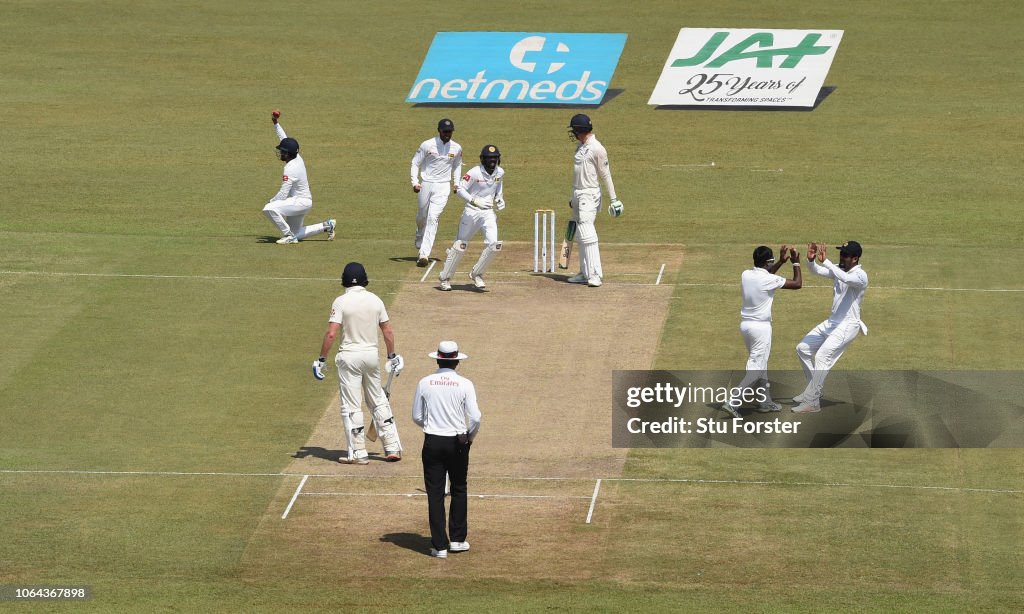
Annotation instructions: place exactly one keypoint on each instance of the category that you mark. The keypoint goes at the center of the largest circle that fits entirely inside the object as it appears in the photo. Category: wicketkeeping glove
(615, 208)
(395, 364)
(318, 368)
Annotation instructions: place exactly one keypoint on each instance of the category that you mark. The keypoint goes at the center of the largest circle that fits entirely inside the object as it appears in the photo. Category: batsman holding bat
(590, 163)
(357, 315)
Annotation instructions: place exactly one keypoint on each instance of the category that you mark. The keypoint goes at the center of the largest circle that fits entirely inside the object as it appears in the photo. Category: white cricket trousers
(758, 337)
(359, 375)
(476, 220)
(432, 198)
(585, 204)
(820, 350)
(289, 214)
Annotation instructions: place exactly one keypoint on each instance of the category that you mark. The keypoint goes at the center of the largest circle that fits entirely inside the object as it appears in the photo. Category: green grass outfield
(146, 328)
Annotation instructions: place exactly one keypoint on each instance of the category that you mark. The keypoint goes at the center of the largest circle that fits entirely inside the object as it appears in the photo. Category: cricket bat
(570, 235)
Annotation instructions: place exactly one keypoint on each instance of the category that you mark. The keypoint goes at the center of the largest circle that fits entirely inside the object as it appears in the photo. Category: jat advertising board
(728, 67)
(517, 68)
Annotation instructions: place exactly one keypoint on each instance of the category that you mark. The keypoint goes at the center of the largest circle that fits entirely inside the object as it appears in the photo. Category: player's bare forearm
(329, 337)
(389, 336)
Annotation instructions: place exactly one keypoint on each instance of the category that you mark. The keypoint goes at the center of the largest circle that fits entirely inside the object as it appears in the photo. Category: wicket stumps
(543, 235)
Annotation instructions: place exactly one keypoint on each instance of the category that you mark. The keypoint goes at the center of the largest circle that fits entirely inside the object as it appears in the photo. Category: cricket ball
(276, 113)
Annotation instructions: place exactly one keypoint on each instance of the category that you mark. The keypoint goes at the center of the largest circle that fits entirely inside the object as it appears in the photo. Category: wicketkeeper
(482, 190)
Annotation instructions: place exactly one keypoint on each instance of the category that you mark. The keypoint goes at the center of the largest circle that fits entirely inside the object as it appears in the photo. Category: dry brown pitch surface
(542, 354)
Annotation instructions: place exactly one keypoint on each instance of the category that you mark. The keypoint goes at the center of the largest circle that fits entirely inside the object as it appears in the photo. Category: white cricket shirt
(436, 162)
(847, 291)
(294, 181)
(758, 287)
(479, 185)
(590, 163)
(445, 405)
(360, 314)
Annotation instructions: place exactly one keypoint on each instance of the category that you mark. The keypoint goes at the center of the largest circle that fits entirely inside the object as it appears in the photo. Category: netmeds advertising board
(517, 68)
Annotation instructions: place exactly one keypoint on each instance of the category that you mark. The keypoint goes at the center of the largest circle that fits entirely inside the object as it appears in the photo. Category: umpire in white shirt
(445, 406)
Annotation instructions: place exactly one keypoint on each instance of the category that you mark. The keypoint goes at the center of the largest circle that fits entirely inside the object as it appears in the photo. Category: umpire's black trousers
(445, 455)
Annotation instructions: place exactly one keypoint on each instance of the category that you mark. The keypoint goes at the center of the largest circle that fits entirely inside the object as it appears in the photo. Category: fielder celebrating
(481, 188)
(589, 163)
(358, 314)
(758, 286)
(288, 208)
(821, 348)
(438, 161)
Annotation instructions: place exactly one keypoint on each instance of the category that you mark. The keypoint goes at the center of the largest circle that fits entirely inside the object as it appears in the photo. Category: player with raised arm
(288, 208)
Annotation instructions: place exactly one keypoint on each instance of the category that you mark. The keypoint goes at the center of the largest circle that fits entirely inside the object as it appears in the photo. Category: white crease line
(420, 494)
(593, 500)
(294, 497)
(427, 272)
(660, 273)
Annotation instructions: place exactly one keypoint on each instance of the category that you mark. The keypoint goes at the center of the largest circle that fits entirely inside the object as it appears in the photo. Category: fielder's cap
(448, 350)
(852, 248)
(445, 125)
(354, 275)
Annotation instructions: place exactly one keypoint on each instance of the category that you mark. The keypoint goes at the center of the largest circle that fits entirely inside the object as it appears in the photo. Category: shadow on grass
(409, 541)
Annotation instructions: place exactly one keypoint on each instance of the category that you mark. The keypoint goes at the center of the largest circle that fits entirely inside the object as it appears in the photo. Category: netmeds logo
(517, 68)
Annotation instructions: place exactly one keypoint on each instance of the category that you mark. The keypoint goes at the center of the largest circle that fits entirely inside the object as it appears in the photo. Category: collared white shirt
(848, 291)
(360, 313)
(758, 287)
(487, 189)
(294, 181)
(436, 162)
(445, 405)
(589, 164)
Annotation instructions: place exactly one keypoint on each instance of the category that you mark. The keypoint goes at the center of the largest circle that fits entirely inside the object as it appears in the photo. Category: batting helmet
(354, 275)
(288, 148)
(490, 151)
(580, 123)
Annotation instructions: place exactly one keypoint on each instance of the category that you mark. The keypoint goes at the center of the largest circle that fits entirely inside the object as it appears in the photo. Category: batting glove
(615, 208)
(395, 364)
(318, 368)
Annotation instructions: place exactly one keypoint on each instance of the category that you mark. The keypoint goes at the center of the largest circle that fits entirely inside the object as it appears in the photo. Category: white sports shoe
(354, 460)
(594, 282)
(768, 406)
(579, 278)
(329, 226)
(446, 285)
(798, 399)
(807, 407)
(438, 554)
(458, 546)
(478, 281)
(287, 240)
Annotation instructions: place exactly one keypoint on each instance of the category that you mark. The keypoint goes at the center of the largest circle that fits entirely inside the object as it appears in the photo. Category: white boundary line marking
(427, 272)
(593, 500)
(660, 273)
(294, 497)
(512, 478)
(433, 262)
